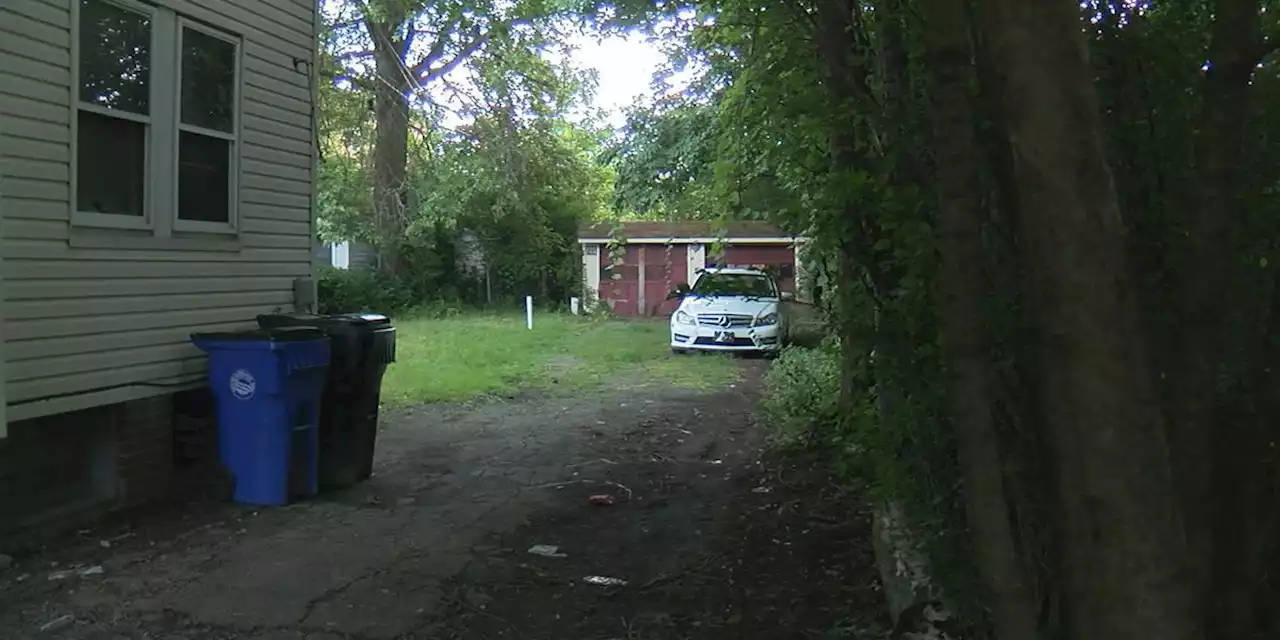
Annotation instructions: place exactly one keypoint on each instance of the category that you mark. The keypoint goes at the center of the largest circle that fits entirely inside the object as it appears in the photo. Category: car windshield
(755, 285)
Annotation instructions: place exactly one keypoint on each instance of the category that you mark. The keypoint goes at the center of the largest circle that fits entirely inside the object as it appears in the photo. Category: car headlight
(683, 318)
(767, 319)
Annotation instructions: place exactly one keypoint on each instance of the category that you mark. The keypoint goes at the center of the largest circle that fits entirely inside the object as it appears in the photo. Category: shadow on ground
(712, 537)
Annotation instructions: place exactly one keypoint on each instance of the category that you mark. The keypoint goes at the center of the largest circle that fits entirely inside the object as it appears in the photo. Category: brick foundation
(63, 469)
(144, 449)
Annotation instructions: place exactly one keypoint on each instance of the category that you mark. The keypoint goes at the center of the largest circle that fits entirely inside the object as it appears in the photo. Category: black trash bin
(362, 344)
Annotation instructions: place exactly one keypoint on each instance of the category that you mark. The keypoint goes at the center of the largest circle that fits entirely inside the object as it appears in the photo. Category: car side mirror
(680, 291)
(788, 296)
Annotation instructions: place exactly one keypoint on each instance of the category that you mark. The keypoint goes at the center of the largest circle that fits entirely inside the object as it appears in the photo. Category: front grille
(718, 320)
(737, 342)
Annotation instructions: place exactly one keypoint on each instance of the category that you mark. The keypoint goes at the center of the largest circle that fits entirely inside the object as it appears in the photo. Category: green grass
(477, 355)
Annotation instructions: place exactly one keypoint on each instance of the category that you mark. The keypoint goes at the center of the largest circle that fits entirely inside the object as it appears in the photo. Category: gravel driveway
(710, 540)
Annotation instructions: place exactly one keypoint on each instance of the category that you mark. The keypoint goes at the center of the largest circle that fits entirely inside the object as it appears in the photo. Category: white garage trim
(590, 274)
(802, 291)
(697, 261)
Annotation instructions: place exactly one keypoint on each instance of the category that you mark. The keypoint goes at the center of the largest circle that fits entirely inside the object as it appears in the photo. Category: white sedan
(729, 309)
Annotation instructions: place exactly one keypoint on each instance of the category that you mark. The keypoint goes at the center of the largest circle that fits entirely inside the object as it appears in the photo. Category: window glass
(115, 57)
(734, 284)
(208, 81)
(204, 178)
(113, 115)
(111, 160)
(207, 124)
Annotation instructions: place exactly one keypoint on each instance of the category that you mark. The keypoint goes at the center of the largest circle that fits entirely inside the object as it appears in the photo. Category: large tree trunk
(1121, 537)
(391, 143)
(1245, 537)
(963, 288)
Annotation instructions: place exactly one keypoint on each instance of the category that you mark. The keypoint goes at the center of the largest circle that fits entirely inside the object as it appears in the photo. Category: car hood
(737, 305)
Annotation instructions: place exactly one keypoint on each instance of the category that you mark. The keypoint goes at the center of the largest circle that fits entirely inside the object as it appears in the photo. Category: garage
(629, 267)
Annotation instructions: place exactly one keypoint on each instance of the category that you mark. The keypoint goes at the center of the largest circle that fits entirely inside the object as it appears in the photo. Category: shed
(631, 266)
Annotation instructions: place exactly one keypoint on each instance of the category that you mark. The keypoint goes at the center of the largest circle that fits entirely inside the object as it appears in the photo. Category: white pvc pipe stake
(528, 311)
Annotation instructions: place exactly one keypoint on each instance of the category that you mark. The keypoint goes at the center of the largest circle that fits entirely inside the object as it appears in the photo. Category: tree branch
(351, 55)
(1270, 40)
(424, 71)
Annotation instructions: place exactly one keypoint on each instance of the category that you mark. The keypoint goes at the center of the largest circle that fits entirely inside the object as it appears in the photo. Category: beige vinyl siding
(363, 256)
(89, 310)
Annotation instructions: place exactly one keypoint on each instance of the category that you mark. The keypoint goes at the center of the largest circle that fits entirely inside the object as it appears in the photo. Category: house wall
(363, 256)
(103, 315)
(360, 255)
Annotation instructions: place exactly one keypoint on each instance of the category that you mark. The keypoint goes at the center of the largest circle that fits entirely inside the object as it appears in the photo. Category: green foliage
(493, 203)
(840, 162)
(358, 290)
(665, 161)
(802, 393)
(520, 190)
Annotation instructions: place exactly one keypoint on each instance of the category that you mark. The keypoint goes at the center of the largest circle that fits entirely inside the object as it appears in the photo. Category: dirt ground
(709, 536)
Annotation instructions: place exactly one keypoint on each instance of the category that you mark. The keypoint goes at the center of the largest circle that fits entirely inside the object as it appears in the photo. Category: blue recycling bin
(267, 387)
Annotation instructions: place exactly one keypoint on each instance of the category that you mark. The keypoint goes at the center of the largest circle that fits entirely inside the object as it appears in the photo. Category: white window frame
(233, 163)
(164, 123)
(109, 220)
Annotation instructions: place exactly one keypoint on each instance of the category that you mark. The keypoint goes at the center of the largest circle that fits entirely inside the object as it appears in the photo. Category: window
(113, 116)
(157, 120)
(207, 140)
(716, 284)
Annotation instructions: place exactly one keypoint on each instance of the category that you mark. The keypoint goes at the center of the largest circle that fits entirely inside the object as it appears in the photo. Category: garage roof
(684, 232)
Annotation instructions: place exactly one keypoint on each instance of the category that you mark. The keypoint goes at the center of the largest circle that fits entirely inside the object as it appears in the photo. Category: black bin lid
(368, 319)
(289, 320)
(275, 334)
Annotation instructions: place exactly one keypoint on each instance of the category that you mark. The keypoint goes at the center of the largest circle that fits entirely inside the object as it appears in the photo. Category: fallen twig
(695, 571)
(620, 486)
(559, 485)
(591, 462)
(463, 601)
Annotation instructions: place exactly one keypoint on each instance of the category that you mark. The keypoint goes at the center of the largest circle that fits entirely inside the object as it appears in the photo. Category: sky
(624, 66)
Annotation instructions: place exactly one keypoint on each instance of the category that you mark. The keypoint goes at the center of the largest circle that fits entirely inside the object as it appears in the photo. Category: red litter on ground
(601, 500)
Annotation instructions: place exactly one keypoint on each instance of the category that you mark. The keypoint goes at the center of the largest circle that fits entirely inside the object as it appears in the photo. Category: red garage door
(620, 279)
(778, 259)
(665, 266)
(635, 282)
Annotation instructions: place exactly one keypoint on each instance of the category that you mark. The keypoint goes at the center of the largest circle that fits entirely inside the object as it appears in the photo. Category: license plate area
(724, 336)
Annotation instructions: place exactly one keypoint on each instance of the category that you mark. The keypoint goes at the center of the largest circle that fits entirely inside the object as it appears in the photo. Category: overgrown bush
(802, 392)
(357, 290)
